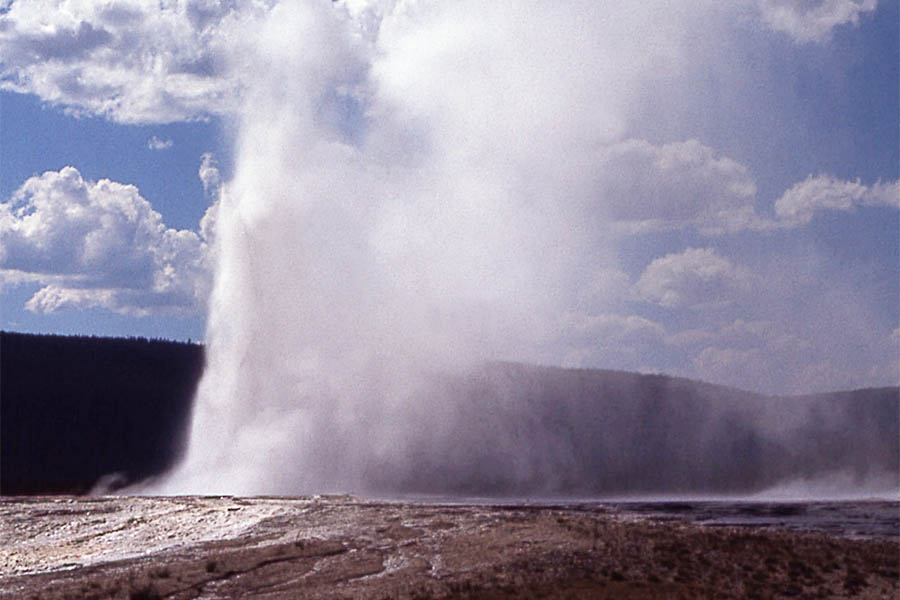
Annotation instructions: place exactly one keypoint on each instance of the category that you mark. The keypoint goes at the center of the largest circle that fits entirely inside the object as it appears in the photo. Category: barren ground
(339, 547)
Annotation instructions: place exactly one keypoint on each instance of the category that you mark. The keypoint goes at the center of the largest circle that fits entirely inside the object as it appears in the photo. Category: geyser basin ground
(341, 547)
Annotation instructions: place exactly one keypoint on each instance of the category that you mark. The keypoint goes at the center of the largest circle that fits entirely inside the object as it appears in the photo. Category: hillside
(514, 429)
(74, 409)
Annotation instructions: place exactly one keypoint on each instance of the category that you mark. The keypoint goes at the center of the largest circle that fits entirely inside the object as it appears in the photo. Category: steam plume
(413, 194)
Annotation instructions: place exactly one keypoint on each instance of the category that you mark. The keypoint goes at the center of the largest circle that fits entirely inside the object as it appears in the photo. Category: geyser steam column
(411, 193)
(295, 307)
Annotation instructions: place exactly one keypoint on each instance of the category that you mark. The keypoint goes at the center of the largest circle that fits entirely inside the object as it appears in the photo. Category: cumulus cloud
(132, 62)
(212, 185)
(812, 20)
(158, 62)
(209, 173)
(642, 187)
(154, 143)
(695, 278)
(99, 244)
(798, 205)
(648, 187)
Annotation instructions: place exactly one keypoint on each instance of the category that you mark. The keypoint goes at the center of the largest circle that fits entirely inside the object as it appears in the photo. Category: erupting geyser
(414, 195)
(395, 211)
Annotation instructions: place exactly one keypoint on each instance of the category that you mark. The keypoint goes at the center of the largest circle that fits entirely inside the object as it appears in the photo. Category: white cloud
(683, 184)
(99, 244)
(695, 278)
(812, 20)
(154, 143)
(209, 173)
(641, 187)
(132, 62)
(798, 205)
(137, 61)
(212, 185)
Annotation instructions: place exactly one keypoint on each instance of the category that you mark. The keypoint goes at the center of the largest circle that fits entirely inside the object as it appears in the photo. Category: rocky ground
(337, 547)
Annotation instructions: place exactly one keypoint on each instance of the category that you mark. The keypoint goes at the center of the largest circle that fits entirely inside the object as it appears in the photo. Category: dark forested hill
(73, 409)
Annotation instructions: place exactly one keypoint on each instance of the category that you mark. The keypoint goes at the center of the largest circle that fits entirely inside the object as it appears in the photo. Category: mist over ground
(515, 430)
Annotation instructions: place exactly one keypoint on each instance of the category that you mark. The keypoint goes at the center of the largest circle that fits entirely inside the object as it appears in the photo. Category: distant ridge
(505, 364)
(521, 429)
(74, 409)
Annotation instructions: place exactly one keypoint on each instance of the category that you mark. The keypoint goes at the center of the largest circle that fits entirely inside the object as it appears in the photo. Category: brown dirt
(338, 547)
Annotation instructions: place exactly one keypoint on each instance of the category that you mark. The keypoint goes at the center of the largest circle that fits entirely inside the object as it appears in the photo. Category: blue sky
(39, 137)
(743, 182)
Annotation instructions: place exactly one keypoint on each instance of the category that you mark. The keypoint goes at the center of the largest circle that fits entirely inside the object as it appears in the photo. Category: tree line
(76, 408)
